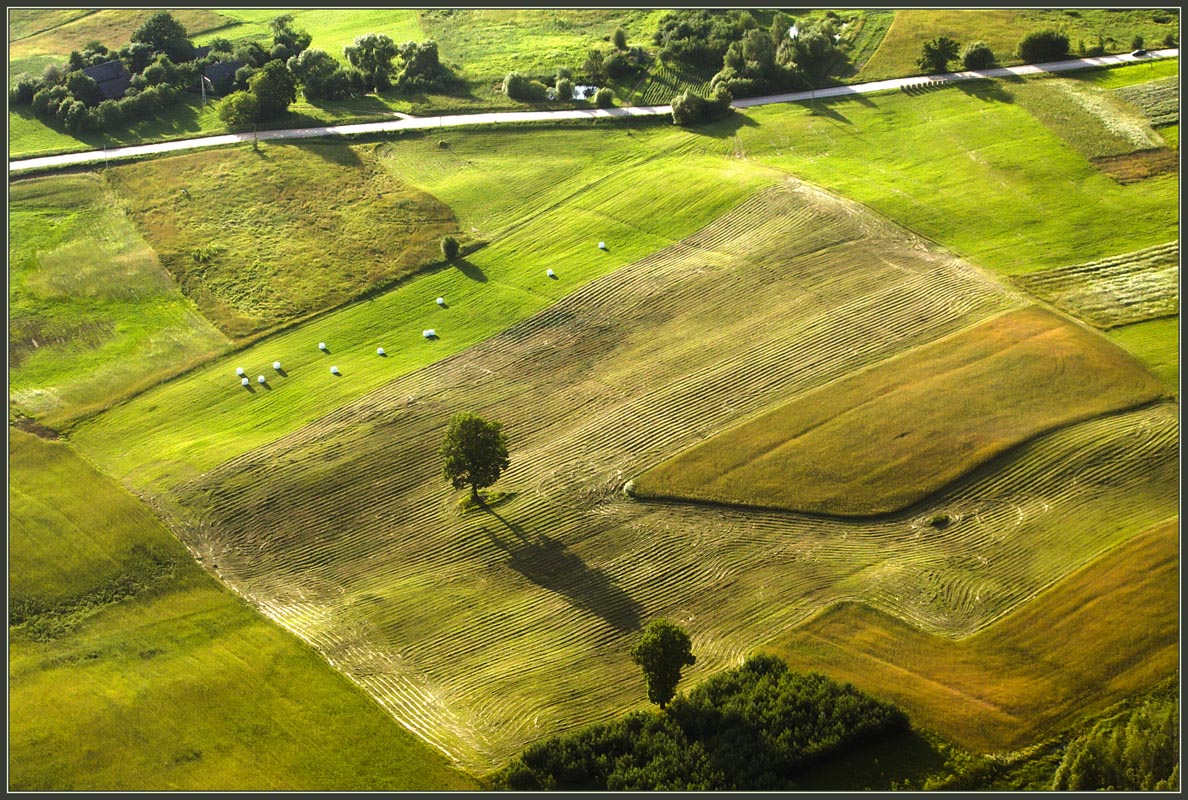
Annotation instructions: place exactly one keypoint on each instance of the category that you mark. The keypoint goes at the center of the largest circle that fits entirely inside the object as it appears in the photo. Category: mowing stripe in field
(1122, 290)
(1074, 649)
(487, 630)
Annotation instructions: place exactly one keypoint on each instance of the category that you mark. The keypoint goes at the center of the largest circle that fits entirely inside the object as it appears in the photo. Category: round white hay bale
(334, 370)
(429, 333)
(321, 345)
(261, 379)
(441, 301)
(550, 273)
(602, 245)
(276, 365)
(245, 381)
(239, 371)
(379, 351)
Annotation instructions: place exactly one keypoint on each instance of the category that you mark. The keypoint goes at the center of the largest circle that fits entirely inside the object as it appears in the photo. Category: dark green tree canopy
(474, 452)
(165, 35)
(238, 109)
(936, 54)
(1046, 45)
(977, 55)
(274, 89)
(662, 652)
(372, 54)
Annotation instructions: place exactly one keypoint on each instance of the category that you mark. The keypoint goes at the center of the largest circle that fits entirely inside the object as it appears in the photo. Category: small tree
(936, 54)
(238, 109)
(474, 452)
(604, 98)
(449, 248)
(977, 55)
(274, 89)
(1039, 46)
(594, 68)
(619, 39)
(564, 89)
(164, 34)
(1137, 42)
(662, 652)
(372, 55)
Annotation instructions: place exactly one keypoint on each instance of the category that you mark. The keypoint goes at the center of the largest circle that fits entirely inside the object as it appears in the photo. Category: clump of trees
(1135, 751)
(1039, 46)
(752, 728)
(690, 108)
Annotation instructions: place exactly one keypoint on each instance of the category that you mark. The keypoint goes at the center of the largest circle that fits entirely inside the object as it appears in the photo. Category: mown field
(245, 233)
(1064, 654)
(92, 315)
(593, 389)
(319, 497)
(130, 669)
(888, 437)
(1002, 29)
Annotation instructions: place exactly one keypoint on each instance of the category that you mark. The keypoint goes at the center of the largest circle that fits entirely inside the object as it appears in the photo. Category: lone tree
(474, 452)
(936, 54)
(449, 248)
(662, 652)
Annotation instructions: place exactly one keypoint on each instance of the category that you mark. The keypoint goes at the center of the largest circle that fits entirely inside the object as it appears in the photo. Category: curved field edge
(1073, 650)
(119, 624)
(881, 440)
(486, 630)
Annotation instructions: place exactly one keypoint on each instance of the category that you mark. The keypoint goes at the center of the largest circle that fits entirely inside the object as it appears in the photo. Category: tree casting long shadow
(551, 565)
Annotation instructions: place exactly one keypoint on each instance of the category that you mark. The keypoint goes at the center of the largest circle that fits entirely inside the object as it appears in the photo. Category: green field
(244, 233)
(92, 315)
(1073, 650)
(1002, 29)
(131, 669)
(1157, 344)
(891, 435)
(1159, 100)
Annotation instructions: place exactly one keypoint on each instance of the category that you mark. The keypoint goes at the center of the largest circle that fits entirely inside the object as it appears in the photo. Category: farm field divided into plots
(486, 630)
(130, 669)
(1065, 653)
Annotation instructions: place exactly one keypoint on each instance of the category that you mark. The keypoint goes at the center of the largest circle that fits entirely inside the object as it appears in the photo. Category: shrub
(1171, 40)
(604, 98)
(21, 94)
(449, 248)
(1040, 46)
(46, 101)
(1136, 43)
(618, 65)
(690, 108)
(619, 39)
(564, 89)
(977, 55)
(520, 87)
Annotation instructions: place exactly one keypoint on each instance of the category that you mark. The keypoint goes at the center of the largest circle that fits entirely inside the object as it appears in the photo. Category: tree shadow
(334, 152)
(551, 565)
(726, 127)
(988, 90)
(470, 270)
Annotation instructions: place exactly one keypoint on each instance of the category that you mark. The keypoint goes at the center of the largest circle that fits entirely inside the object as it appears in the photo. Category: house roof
(222, 69)
(112, 76)
(201, 52)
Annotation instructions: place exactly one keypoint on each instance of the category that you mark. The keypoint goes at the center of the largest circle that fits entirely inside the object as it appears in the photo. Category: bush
(604, 98)
(47, 100)
(520, 87)
(21, 94)
(1171, 40)
(564, 89)
(619, 39)
(449, 248)
(1039, 46)
(690, 108)
(1136, 43)
(977, 55)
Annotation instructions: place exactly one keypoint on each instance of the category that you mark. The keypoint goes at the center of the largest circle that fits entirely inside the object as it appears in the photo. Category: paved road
(406, 122)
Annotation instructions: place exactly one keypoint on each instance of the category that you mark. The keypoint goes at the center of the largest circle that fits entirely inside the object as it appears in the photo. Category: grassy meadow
(1002, 28)
(160, 678)
(244, 232)
(1157, 344)
(1073, 650)
(93, 317)
(956, 403)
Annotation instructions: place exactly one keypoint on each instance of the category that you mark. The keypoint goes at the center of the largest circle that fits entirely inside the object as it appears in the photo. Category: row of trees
(753, 728)
(1034, 48)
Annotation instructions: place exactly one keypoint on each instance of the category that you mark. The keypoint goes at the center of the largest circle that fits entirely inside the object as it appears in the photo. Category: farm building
(112, 77)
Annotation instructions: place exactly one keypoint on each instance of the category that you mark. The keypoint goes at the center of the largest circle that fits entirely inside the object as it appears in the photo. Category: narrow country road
(455, 120)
